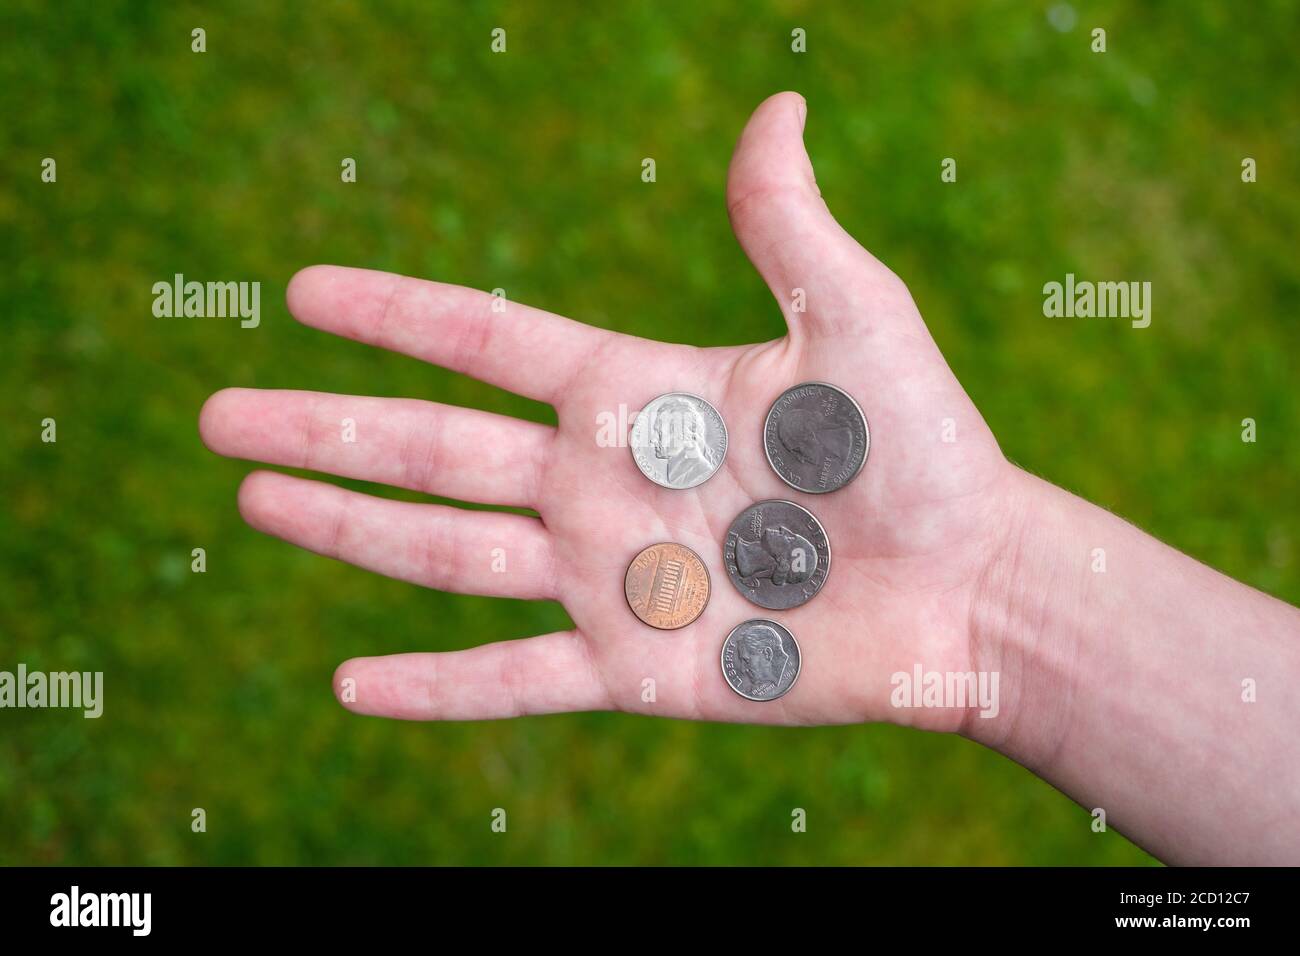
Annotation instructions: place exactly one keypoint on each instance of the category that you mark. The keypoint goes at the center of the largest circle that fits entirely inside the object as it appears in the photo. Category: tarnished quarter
(777, 554)
(667, 586)
(816, 437)
(679, 440)
(760, 660)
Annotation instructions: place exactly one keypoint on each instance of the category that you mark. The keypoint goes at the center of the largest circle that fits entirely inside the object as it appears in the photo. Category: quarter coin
(679, 440)
(760, 660)
(816, 437)
(777, 554)
(667, 586)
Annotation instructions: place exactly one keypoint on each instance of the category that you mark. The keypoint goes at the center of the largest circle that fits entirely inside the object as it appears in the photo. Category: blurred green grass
(522, 171)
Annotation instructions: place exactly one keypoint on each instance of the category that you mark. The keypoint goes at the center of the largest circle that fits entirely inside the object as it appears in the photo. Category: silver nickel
(679, 440)
(777, 554)
(760, 660)
(816, 437)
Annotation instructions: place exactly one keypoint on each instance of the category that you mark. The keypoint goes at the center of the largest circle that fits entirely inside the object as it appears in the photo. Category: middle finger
(444, 450)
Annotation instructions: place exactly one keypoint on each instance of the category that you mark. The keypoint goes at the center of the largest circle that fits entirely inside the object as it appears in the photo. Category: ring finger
(469, 552)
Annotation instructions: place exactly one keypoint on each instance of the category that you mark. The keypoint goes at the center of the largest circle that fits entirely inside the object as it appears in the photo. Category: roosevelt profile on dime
(760, 660)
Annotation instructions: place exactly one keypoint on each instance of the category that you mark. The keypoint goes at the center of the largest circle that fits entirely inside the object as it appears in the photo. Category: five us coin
(679, 440)
(816, 437)
(760, 660)
(667, 586)
(777, 554)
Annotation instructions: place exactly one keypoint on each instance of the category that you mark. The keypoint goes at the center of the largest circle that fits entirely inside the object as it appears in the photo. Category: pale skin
(1123, 688)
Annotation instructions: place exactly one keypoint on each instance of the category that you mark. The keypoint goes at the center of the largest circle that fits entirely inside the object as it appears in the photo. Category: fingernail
(803, 113)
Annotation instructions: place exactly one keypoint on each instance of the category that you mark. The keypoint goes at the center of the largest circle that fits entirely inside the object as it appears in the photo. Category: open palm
(912, 537)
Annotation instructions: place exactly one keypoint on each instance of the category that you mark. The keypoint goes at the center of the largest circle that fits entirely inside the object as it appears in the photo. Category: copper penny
(667, 586)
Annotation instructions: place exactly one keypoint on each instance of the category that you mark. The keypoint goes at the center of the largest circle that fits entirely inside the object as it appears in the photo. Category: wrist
(1027, 602)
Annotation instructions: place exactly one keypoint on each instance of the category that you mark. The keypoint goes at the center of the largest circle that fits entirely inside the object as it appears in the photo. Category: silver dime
(679, 440)
(760, 660)
(777, 554)
(816, 437)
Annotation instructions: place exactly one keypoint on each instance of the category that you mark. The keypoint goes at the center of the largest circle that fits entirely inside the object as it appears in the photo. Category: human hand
(1124, 689)
(913, 537)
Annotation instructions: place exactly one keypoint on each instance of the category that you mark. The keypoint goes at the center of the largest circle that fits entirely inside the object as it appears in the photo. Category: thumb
(789, 234)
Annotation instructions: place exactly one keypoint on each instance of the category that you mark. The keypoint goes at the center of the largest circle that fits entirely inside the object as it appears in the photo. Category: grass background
(522, 171)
